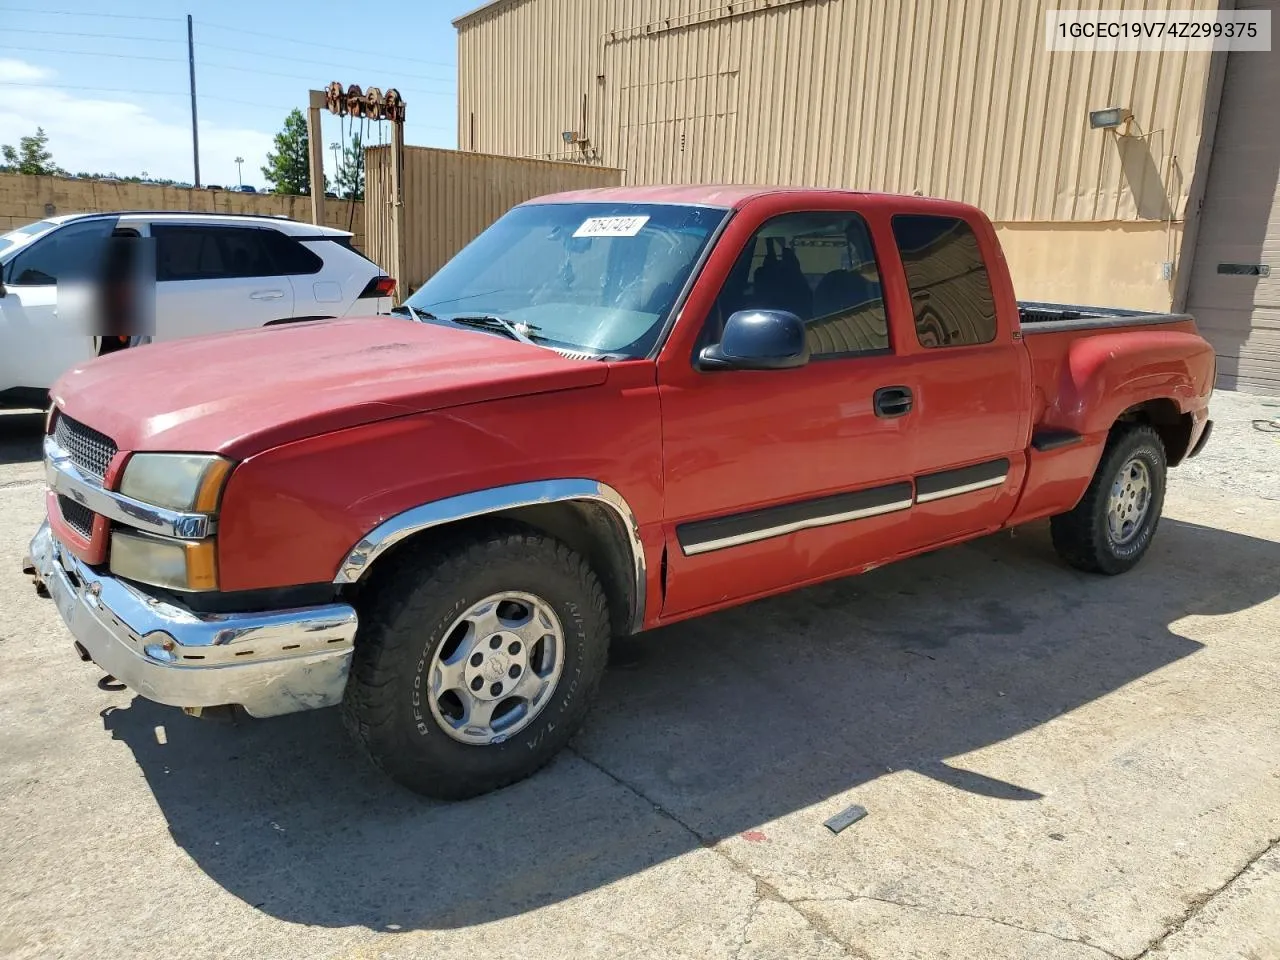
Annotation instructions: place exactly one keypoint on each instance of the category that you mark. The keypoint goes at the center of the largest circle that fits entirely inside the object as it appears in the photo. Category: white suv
(212, 273)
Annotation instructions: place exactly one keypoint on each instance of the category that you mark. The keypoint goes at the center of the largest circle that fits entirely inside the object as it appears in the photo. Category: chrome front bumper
(270, 663)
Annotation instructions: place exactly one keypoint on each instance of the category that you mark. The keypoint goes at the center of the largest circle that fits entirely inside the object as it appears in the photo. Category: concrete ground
(1056, 766)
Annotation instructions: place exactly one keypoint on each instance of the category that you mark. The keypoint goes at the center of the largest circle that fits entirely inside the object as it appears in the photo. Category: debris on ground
(845, 818)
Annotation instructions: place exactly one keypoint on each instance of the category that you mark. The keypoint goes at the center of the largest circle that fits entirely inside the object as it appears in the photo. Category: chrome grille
(90, 450)
(78, 517)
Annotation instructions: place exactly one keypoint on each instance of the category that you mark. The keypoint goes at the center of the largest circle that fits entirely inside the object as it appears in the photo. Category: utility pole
(337, 165)
(191, 63)
(239, 178)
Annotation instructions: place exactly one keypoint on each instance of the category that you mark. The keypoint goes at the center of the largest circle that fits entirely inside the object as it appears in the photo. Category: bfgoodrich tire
(1112, 526)
(476, 662)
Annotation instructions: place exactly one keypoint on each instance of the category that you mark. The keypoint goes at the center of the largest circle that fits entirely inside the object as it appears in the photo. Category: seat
(779, 283)
(849, 316)
(842, 290)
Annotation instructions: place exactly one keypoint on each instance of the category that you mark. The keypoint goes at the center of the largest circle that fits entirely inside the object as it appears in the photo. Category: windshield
(598, 277)
(16, 237)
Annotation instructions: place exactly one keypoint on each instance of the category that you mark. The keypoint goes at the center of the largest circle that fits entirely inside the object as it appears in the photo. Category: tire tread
(1078, 535)
(421, 581)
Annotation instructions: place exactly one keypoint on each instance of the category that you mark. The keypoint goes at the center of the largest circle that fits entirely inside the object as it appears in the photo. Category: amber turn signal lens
(164, 562)
(211, 484)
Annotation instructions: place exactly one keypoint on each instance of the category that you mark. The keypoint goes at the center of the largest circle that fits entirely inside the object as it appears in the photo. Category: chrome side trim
(481, 502)
(65, 478)
(963, 488)
(706, 546)
(275, 662)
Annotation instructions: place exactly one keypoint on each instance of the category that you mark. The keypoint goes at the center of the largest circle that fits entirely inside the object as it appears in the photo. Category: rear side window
(950, 289)
(187, 253)
(191, 252)
(291, 257)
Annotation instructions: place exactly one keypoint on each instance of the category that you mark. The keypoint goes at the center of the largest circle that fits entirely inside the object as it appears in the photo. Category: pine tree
(351, 176)
(287, 169)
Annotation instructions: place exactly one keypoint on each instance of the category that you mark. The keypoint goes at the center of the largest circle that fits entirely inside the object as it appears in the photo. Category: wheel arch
(587, 515)
(1163, 415)
(1158, 377)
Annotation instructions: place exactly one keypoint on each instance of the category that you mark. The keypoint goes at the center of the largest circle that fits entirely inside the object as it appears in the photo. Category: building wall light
(1109, 118)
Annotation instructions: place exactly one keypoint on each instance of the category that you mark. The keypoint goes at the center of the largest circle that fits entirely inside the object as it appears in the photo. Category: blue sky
(108, 81)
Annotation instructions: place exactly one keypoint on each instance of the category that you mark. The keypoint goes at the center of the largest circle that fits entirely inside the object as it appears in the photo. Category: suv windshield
(599, 277)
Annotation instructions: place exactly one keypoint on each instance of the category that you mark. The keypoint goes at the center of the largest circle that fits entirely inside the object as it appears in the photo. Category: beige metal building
(950, 98)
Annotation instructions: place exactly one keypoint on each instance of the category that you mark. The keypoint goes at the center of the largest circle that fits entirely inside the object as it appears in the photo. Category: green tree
(31, 156)
(351, 175)
(287, 169)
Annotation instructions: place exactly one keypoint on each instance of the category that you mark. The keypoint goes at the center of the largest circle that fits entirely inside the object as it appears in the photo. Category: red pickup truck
(613, 410)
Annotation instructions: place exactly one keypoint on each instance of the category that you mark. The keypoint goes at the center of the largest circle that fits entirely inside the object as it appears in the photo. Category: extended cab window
(189, 252)
(821, 266)
(950, 289)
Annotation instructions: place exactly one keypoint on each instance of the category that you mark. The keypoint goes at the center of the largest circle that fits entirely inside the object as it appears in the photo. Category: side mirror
(758, 340)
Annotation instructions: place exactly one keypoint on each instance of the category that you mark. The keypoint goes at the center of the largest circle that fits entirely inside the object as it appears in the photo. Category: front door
(774, 478)
(40, 338)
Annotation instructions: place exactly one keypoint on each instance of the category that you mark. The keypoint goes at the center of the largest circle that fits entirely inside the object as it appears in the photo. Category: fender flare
(1103, 376)
(480, 503)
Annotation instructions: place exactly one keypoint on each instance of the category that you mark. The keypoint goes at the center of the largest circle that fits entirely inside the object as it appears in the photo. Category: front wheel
(1112, 526)
(476, 663)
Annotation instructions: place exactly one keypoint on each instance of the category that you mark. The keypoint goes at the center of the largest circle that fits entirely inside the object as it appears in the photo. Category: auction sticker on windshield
(611, 226)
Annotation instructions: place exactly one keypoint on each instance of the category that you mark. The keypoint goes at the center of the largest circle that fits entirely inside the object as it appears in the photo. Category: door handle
(892, 402)
(266, 295)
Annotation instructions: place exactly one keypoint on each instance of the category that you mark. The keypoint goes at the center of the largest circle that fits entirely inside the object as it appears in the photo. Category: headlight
(176, 481)
(177, 564)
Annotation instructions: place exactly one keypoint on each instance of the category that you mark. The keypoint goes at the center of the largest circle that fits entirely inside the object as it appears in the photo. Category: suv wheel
(477, 662)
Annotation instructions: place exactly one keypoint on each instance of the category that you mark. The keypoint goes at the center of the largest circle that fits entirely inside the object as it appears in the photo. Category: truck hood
(240, 393)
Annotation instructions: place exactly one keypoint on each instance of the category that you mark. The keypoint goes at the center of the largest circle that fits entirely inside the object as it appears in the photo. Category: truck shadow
(725, 722)
(21, 433)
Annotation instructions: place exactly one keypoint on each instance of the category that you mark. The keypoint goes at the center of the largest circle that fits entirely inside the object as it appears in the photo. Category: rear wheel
(477, 662)
(1113, 524)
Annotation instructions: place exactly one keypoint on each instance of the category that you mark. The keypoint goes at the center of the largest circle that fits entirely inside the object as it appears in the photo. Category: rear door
(970, 380)
(212, 277)
(774, 478)
(317, 291)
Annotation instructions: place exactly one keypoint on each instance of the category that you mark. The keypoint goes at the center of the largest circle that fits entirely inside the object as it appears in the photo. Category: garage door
(1235, 276)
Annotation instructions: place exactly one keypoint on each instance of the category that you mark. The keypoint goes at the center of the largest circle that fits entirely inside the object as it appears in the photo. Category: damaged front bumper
(270, 663)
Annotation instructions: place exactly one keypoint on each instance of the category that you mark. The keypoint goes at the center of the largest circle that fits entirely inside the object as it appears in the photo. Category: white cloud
(19, 71)
(109, 134)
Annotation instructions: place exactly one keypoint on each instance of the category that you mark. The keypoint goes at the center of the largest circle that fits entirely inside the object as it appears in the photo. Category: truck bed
(1039, 317)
